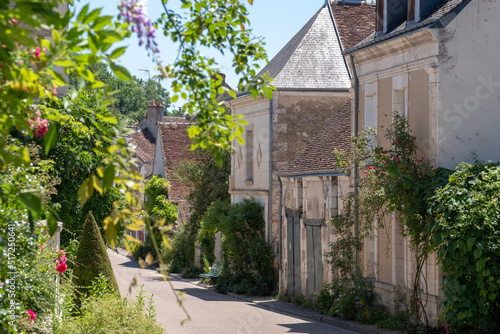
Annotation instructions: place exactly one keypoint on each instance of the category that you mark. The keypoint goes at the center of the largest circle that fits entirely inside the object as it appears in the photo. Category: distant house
(172, 147)
(436, 63)
(313, 85)
(161, 143)
(311, 194)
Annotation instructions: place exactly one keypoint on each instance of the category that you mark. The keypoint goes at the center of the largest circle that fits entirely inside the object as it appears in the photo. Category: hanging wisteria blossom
(135, 12)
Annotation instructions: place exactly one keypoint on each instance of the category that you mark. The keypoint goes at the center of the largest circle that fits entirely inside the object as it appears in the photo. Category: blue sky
(275, 20)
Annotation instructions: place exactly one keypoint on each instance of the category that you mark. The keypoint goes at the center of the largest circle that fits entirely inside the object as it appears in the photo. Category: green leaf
(32, 203)
(85, 191)
(121, 72)
(118, 52)
(50, 138)
(108, 178)
(52, 224)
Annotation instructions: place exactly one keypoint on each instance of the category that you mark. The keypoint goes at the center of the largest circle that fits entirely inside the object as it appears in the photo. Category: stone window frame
(249, 154)
(400, 84)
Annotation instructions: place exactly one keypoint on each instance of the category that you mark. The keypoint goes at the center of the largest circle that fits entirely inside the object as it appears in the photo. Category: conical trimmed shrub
(91, 260)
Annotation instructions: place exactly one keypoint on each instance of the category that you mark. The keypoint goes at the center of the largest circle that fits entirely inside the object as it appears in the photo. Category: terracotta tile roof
(145, 144)
(312, 59)
(354, 22)
(176, 148)
(318, 155)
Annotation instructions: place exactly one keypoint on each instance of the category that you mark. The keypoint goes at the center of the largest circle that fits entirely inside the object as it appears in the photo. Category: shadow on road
(208, 295)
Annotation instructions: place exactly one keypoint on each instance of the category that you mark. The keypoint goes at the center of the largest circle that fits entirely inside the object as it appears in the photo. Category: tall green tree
(131, 97)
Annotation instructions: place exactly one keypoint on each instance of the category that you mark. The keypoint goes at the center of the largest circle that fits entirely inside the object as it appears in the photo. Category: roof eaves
(326, 172)
(408, 29)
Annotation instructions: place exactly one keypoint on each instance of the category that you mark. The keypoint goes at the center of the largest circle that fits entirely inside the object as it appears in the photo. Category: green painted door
(293, 252)
(314, 256)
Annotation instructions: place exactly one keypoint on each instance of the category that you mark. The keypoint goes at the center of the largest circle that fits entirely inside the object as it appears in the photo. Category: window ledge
(249, 182)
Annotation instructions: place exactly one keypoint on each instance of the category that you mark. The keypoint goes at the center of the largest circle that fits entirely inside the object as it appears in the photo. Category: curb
(341, 323)
(305, 314)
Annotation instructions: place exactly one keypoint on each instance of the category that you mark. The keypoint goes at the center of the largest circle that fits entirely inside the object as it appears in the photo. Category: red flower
(31, 314)
(414, 138)
(399, 141)
(365, 172)
(61, 267)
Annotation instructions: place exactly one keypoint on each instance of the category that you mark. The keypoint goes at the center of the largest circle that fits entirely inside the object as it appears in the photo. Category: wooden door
(314, 256)
(293, 252)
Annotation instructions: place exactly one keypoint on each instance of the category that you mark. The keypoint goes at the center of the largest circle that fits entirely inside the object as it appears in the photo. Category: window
(399, 103)
(371, 118)
(249, 154)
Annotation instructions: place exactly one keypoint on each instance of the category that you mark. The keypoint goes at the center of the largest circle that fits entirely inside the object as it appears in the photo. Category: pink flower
(365, 172)
(383, 162)
(40, 126)
(432, 166)
(61, 267)
(37, 53)
(446, 328)
(414, 138)
(31, 314)
(421, 159)
(248, 227)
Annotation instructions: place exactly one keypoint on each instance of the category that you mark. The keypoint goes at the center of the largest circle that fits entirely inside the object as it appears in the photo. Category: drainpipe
(270, 193)
(356, 104)
(280, 250)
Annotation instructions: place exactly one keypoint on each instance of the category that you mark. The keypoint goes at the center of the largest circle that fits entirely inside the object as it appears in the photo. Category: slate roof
(439, 13)
(312, 59)
(318, 155)
(176, 148)
(145, 144)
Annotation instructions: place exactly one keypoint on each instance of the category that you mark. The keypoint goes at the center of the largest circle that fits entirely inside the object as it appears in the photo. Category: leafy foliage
(393, 180)
(183, 248)
(467, 236)
(221, 26)
(92, 260)
(130, 98)
(207, 180)
(163, 213)
(111, 315)
(248, 259)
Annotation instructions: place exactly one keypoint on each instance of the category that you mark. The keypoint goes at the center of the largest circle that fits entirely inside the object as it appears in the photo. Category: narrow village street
(210, 312)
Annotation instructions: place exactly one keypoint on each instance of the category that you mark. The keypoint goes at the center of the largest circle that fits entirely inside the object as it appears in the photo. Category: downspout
(270, 193)
(356, 104)
(280, 250)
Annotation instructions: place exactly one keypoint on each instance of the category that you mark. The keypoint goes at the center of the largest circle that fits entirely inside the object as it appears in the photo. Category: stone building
(311, 193)
(162, 143)
(313, 83)
(436, 63)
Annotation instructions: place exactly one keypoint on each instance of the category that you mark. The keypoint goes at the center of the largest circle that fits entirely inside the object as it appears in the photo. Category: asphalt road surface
(210, 312)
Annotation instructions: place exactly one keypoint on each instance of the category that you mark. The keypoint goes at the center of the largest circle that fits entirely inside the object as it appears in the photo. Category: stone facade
(440, 71)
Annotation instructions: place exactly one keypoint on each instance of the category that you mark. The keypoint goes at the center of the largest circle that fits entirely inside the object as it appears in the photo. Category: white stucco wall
(469, 89)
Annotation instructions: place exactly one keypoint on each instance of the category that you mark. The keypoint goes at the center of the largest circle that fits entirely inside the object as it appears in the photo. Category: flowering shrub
(61, 262)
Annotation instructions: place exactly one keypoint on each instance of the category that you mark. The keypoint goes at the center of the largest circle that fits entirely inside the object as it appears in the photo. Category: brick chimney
(154, 116)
